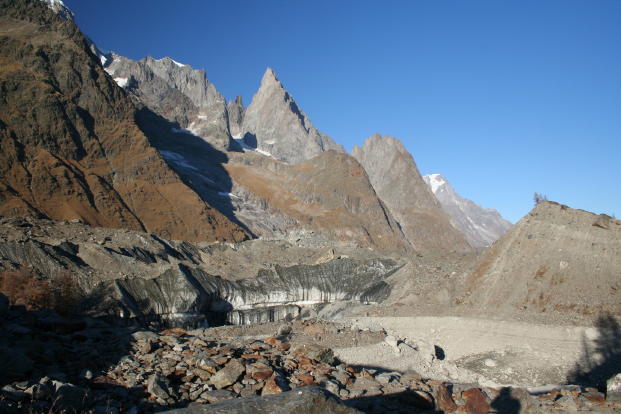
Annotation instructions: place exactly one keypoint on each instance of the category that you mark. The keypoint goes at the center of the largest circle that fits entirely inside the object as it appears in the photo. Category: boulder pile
(53, 364)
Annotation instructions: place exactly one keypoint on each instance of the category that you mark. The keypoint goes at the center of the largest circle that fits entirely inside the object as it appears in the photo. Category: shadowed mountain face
(556, 259)
(398, 183)
(70, 146)
(481, 226)
(176, 92)
(274, 123)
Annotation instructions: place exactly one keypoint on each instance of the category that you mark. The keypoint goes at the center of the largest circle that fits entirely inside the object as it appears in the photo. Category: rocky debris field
(53, 364)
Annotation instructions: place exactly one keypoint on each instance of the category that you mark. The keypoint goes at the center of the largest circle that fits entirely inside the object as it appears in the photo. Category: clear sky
(504, 98)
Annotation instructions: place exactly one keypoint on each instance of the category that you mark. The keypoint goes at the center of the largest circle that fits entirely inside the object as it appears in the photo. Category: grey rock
(305, 400)
(139, 275)
(481, 226)
(613, 388)
(316, 352)
(273, 122)
(228, 375)
(157, 385)
(236, 111)
(332, 386)
(145, 336)
(217, 395)
(177, 92)
(398, 183)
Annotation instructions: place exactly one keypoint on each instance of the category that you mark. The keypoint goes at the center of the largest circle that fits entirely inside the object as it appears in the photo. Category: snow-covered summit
(435, 181)
(59, 8)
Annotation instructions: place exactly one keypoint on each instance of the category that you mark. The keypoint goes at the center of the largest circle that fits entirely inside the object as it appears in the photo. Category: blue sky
(504, 98)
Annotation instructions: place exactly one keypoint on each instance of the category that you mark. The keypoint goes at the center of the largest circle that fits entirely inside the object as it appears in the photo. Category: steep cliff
(398, 183)
(178, 93)
(71, 148)
(274, 123)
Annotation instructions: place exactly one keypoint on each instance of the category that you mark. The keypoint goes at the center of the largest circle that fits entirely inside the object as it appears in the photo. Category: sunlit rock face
(192, 296)
(275, 124)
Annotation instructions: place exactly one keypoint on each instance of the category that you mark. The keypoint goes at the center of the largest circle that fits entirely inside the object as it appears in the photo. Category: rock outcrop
(178, 93)
(148, 278)
(395, 178)
(189, 295)
(481, 226)
(274, 123)
(329, 194)
(555, 260)
(70, 146)
(236, 113)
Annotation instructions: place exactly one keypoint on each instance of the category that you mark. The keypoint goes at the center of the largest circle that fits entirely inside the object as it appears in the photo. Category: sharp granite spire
(275, 123)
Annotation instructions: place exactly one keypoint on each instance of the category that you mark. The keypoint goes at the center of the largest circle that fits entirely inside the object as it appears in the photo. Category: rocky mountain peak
(274, 123)
(481, 226)
(397, 181)
(270, 80)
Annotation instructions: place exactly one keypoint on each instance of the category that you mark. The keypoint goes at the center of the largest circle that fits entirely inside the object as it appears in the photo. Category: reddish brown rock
(476, 402)
(306, 379)
(444, 399)
(262, 375)
(272, 387)
(595, 397)
(70, 143)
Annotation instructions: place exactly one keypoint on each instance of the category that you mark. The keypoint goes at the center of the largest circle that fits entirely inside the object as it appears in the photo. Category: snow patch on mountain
(122, 82)
(60, 9)
(435, 181)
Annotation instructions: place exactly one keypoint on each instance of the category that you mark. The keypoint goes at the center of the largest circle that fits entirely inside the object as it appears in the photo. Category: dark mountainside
(71, 148)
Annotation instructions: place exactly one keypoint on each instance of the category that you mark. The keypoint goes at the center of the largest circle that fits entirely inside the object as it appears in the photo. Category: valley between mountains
(164, 249)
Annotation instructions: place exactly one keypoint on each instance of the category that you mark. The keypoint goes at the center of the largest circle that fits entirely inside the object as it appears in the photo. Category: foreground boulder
(307, 400)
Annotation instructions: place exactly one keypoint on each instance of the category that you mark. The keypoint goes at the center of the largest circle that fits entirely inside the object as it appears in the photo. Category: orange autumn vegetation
(24, 287)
